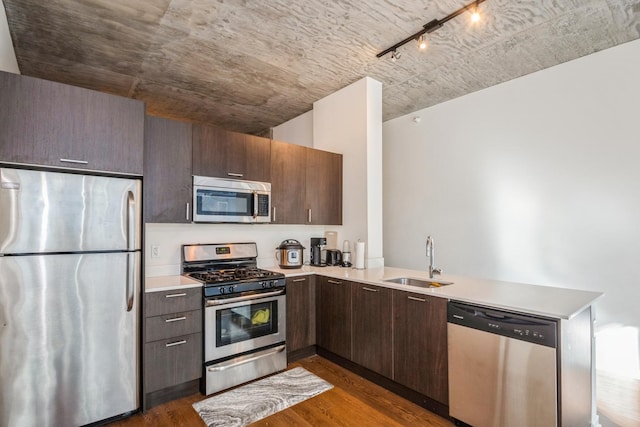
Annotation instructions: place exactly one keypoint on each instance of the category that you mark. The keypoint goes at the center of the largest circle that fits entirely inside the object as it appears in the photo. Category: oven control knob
(230, 289)
(221, 290)
(263, 284)
(271, 284)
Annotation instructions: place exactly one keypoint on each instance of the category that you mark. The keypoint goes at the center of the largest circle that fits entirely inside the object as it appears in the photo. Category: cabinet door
(301, 313)
(258, 158)
(288, 183)
(420, 344)
(221, 153)
(53, 124)
(324, 187)
(167, 171)
(372, 332)
(172, 361)
(333, 315)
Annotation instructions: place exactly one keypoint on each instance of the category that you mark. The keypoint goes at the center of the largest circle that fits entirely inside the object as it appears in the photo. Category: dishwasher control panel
(513, 325)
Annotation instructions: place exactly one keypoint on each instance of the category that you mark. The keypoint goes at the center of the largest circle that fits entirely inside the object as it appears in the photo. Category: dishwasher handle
(523, 327)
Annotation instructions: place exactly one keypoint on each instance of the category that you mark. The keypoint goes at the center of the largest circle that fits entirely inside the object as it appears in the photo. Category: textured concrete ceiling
(249, 65)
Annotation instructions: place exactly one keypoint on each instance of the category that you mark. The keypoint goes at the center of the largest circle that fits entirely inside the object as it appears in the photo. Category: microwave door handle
(255, 204)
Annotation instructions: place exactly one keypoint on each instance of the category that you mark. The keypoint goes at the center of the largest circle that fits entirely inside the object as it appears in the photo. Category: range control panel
(532, 329)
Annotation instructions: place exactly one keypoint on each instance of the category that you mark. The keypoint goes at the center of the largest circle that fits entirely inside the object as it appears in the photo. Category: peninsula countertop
(547, 301)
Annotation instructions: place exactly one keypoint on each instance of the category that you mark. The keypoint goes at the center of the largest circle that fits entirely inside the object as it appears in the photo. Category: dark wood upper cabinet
(221, 153)
(420, 344)
(301, 313)
(306, 185)
(167, 171)
(333, 315)
(372, 331)
(53, 124)
(324, 187)
(288, 183)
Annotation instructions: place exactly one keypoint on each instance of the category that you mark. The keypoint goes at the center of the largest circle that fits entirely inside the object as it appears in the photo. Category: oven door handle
(214, 302)
(232, 364)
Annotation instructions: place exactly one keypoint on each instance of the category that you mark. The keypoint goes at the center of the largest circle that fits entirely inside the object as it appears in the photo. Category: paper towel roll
(360, 249)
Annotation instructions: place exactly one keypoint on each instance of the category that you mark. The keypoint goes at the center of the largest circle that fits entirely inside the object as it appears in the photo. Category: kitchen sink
(423, 283)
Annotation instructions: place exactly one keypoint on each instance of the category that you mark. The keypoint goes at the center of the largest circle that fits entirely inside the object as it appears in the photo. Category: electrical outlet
(155, 251)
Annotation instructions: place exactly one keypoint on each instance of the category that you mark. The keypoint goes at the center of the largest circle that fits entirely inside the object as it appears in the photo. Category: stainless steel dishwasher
(502, 368)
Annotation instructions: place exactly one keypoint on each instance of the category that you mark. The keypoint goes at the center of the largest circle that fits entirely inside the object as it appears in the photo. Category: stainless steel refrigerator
(69, 297)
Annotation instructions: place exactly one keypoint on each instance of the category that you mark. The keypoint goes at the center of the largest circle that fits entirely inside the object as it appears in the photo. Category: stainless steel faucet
(431, 255)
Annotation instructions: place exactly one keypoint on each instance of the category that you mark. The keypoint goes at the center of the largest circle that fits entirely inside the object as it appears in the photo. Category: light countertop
(169, 283)
(557, 303)
(553, 302)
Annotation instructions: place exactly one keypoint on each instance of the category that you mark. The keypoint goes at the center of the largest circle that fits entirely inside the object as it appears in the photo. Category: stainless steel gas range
(244, 313)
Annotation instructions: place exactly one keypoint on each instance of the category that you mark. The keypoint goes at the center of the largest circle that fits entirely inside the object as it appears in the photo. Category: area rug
(255, 401)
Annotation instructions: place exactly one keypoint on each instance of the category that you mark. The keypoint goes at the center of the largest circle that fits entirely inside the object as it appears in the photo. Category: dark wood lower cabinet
(333, 315)
(172, 352)
(420, 344)
(301, 317)
(371, 326)
(172, 361)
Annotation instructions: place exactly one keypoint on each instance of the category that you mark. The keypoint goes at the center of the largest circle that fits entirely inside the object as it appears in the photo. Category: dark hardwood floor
(353, 401)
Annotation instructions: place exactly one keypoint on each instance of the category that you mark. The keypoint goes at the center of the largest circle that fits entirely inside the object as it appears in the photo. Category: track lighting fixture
(430, 27)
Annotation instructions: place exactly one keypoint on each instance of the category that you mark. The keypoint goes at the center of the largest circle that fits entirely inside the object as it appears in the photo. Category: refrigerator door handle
(131, 279)
(131, 221)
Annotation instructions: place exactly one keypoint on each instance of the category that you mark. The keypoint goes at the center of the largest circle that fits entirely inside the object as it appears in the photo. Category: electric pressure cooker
(289, 254)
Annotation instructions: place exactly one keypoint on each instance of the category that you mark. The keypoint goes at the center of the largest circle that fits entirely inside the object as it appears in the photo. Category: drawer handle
(173, 344)
(417, 299)
(176, 295)
(237, 175)
(175, 319)
(335, 282)
(78, 162)
(364, 288)
(304, 279)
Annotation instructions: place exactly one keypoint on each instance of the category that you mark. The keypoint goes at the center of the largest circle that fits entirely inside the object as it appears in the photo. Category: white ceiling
(251, 65)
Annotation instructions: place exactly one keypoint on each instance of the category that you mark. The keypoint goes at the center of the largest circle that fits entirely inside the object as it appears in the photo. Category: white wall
(535, 180)
(349, 122)
(298, 130)
(8, 60)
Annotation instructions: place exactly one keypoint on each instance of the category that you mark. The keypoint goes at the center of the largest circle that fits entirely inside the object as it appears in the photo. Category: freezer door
(68, 343)
(44, 212)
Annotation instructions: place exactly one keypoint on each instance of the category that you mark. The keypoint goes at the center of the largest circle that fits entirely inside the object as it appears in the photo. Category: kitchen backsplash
(163, 241)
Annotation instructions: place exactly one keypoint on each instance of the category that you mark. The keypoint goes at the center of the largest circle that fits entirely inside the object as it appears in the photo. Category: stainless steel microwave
(230, 200)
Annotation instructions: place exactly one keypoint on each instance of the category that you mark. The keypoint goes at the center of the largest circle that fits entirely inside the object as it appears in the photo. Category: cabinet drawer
(172, 325)
(176, 301)
(172, 361)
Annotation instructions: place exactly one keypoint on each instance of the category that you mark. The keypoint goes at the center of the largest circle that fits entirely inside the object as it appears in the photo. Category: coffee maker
(317, 244)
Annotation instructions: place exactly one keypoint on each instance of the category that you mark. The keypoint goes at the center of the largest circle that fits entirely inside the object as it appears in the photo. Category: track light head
(475, 13)
(395, 55)
(422, 42)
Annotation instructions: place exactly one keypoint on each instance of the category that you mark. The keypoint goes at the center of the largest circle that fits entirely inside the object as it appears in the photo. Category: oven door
(238, 325)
